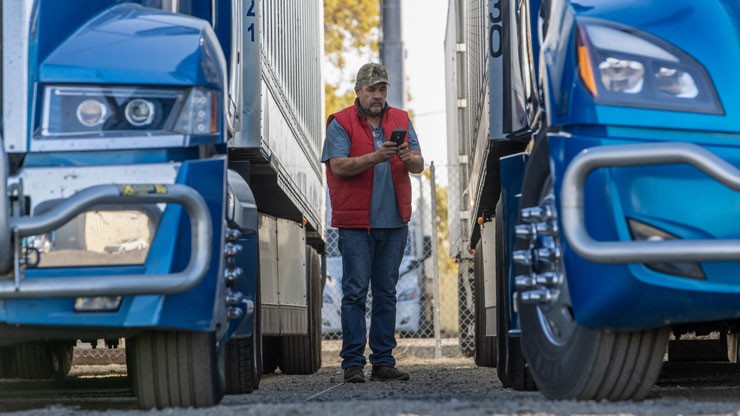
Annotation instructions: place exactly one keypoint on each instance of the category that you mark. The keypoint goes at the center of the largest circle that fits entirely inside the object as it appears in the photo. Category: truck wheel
(567, 360)
(241, 366)
(62, 356)
(301, 354)
(7, 362)
(511, 367)
(244, 355)
(176, 369)
(36, 361)
(485, 347)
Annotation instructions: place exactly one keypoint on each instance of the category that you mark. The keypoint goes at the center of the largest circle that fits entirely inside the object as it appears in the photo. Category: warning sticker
(127, 190)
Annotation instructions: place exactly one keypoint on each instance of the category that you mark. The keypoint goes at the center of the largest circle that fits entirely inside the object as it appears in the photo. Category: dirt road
(450, 385)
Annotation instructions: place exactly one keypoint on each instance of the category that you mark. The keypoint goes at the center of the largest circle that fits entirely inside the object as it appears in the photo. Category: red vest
(350, 197)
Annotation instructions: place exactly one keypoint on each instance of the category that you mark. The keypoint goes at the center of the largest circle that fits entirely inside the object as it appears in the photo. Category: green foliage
(350, 28)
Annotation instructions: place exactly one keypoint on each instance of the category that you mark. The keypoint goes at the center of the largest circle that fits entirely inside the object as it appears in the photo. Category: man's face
(372, 98)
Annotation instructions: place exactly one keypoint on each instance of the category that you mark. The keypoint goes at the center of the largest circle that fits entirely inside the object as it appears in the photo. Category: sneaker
(387, 373)
(354, 374)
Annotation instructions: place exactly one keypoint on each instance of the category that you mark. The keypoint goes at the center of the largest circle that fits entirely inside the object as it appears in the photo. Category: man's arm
(346, 167)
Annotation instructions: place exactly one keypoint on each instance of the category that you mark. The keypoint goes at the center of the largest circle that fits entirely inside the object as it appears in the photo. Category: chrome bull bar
(620, 252)
(13, 229)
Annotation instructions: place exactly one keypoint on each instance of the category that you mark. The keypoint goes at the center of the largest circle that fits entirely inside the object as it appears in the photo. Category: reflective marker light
(91, 112)
(140, 112)
(199, 114)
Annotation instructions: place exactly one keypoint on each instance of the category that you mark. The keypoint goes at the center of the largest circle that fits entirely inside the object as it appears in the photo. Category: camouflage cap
(371, 74)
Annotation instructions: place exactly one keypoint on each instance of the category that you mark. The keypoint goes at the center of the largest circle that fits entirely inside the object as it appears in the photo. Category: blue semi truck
(598, 147)
(161, 185)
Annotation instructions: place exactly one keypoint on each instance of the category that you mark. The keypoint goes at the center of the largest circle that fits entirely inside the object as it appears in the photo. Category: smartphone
(398, 137)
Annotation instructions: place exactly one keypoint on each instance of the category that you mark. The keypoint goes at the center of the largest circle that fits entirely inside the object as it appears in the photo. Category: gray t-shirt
(383, 206)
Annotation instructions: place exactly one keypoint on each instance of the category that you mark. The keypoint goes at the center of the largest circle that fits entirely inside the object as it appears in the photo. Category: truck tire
(63, 356)
(301, 354)
(569, 361)
(176, 369)
(242, 374)
(244, 355)
(40, 360)
(511, 368)
(7, 362)
(485, 347)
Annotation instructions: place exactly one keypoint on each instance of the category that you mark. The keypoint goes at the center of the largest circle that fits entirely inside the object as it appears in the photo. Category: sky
(423, 29)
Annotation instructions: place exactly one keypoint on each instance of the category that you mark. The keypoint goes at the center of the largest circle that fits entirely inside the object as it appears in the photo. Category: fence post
(435, 265)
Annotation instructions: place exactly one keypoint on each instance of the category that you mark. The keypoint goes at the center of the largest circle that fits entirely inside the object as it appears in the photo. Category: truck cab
(594, 247)
(145, 159)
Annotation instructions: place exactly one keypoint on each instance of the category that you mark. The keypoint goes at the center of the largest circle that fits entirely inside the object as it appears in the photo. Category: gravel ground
(448, 385)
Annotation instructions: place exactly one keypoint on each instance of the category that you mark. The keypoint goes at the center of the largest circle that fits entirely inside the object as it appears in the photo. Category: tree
(351, 28)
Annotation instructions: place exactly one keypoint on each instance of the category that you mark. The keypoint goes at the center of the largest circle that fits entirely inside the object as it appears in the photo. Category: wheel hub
(543, 283)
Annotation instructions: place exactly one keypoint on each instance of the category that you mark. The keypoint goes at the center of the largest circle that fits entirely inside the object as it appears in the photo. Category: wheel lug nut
(523, 257)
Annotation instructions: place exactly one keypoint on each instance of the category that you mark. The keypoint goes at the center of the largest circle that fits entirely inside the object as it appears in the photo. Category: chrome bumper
(13, 229)
(619, 252)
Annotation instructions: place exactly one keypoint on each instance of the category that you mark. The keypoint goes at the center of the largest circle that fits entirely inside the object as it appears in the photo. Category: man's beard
(373, 113)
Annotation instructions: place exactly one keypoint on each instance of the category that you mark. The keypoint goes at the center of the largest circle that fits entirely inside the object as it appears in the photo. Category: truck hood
(708, 31)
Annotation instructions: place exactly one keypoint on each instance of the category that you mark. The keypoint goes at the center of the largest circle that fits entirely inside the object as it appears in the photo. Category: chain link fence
(434, 290)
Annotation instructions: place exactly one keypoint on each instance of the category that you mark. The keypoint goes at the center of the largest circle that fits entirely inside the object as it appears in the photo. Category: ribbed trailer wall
(480, 80)
(282, 123)
(454, 49)
(467, 99)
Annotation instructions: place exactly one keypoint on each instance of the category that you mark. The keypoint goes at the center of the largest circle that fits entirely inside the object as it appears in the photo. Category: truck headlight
(120, 111)
(140, 112)
(91, 112)
(622, 66)
(644, 232)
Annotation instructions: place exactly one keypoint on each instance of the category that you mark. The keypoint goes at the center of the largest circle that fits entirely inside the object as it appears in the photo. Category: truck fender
(241, 208)
(537, 168)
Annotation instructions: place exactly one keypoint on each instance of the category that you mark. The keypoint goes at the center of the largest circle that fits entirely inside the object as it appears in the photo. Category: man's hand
(345, 167)
(386, 151)
(413, 160)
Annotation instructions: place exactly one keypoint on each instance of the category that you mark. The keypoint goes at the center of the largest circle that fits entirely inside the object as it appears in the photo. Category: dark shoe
(387, 373)
(354, 374)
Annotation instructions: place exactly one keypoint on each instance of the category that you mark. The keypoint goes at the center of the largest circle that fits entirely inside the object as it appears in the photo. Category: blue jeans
(370, 258)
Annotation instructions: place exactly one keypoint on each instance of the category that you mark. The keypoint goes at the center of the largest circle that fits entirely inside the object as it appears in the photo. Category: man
(370, 192)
